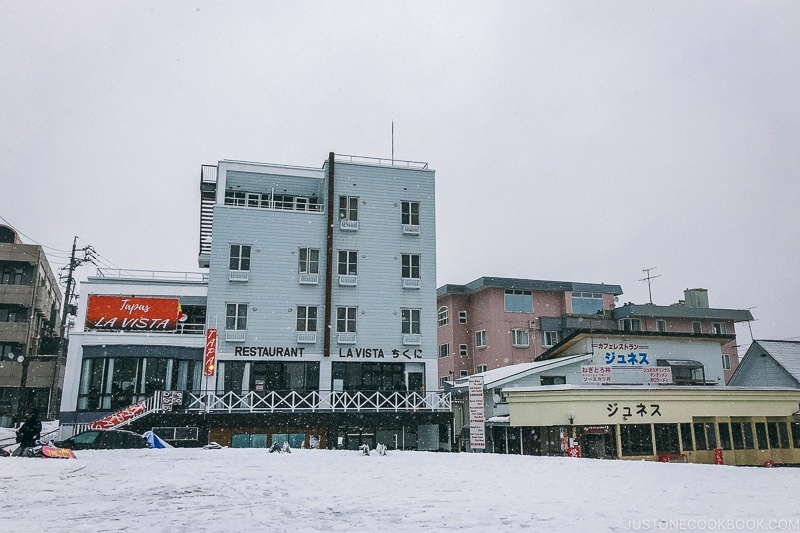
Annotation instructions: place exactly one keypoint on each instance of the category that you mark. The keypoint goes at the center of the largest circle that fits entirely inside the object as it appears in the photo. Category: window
(630, 324)
(636, 439)
(463, 373)
(517, 301)
(9, 349)
(726, 361)
(13, 314)
(587, 303)
(519, 338)
(444, 350)
(462, 317)
(346, 319)
(410, 268)
(661, 325)
(736, 433)
(348, 208)
(718, 328)
(410, 321)
(15, 274)
(480, 339)
(308, 262)
(696, 328)
(348, 263)
(761, 435)
(444, 316)
(236, 316)
(724, 435)
(704, 438)
(409, 213)
(235, 198)
(666, 438)
(442, 382)
(796, 434)
(463, 351)
(686, 437)
(778, 435)
(549, 338)
(306, 319)
(553, 380)
(749, 442)
(481, 368)
(240, 257)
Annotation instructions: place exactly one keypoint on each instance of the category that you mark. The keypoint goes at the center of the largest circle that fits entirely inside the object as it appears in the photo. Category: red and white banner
(210, 354)
(132, 313)
(115, 419)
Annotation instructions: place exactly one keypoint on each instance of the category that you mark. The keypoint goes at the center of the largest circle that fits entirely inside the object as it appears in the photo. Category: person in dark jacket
(28, 432)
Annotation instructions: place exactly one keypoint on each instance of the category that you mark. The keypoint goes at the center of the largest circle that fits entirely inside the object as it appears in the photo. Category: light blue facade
(291, 213)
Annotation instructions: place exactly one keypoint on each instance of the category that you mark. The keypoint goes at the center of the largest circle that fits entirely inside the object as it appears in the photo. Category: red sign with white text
(210, 354)
(132, 313)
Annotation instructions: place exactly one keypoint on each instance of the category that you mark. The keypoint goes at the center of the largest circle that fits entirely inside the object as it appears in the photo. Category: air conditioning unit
(533, 325)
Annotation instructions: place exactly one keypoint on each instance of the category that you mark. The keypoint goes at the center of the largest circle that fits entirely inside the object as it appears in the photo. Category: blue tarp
(154, 441)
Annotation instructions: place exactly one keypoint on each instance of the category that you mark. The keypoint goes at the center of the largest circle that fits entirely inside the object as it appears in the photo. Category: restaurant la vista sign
(131, 313)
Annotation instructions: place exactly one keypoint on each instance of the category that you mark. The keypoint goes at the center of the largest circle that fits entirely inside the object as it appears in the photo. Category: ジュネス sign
(129, 313)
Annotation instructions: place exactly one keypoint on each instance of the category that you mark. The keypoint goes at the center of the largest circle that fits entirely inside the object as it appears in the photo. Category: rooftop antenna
(649, 280)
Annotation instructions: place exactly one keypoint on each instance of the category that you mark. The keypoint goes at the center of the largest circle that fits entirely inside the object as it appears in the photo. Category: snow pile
(321, 490)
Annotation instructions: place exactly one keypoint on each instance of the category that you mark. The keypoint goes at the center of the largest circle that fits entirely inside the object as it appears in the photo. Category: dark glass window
(369, 376)
(517, 301)
(783, 432)
(747, 429)
(725, 436)
(796, 434)
(686, 437)
(700, 437)
(738, 439)
(666, 438)
(778, 435)
(636, 439)
(761, 435)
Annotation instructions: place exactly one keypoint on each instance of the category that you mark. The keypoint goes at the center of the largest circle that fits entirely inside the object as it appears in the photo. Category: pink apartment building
(495, 322)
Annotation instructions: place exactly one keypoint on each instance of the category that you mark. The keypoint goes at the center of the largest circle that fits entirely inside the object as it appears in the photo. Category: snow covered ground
(320, 490)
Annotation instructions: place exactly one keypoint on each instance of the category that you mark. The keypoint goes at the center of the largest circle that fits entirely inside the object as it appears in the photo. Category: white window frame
(480, 339)
(463, 373)
(304, 319)
(463, 350)
(462, 317)
(238, 312)
(697, 327)
(350, 262)
(631, 322)
(726, 361)
(348, 321)
(407, 268)
(444, 350)
(550, 338)
(407, 215)
(719, 328)
(239, 258)
(520, 338)
(305, 263)
(443, 315)
(661, 326)
(481, 368)
(348, 208)
(410, 321)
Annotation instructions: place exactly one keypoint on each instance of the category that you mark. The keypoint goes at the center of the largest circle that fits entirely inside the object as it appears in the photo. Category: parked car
(103, 439)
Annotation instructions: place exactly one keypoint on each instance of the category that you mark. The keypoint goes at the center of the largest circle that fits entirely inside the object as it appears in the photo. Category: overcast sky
(574, 141)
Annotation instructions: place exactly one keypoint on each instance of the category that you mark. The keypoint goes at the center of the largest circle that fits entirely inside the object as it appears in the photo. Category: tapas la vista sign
(131, 313)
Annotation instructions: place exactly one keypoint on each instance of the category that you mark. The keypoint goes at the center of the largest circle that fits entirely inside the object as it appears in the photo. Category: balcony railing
(346, 338)
(412, 283)
(235, 335)
(314, 401)
(349, 225)
(238, 275)
(306, 338)
(309, 279)
(348, 281)
(411, 229)
(412, 339)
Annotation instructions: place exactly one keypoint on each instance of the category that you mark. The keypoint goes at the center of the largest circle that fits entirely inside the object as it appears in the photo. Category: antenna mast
(649, 280)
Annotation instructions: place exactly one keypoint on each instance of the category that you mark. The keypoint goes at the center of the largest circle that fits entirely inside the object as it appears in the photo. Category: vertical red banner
(210, 354)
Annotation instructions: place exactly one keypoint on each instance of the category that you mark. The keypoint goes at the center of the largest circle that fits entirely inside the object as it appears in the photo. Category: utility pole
(649, 279)
(55, 390)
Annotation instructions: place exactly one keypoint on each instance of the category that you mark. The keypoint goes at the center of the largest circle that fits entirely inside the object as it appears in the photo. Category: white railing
(349, 225)
(238, 275)
(164, 275)
(271, 401)
(309, 279)
(412, 339)
(348, 281)
(346, 338)
(411, 283)
(382, 161)
(235, 335)
(411, 229)
(306, 338)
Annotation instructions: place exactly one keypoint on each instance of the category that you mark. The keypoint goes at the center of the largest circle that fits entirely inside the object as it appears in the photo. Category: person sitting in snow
(29, 432)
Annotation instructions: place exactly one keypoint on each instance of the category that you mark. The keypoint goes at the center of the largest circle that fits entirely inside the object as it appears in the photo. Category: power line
(10, 225)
